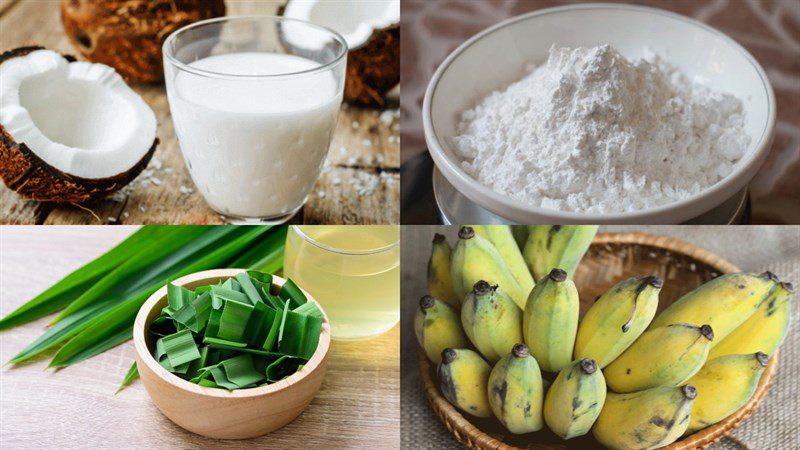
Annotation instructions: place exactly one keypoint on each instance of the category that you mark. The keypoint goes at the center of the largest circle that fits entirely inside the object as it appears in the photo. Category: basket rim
(474, 438)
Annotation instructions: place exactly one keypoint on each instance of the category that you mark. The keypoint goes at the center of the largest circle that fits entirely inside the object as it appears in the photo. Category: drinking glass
(254, 101)
(353, 271)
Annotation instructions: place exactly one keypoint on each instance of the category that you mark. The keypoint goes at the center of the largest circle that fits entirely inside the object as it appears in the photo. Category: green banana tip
(448, 355)
(762, 358)
(770, 276)
(707, 332)
(466, 233)
(482, 288)
(788, 286)
(689, 391)
(654, 281)
(426, 302)
(588, 366)
(558, 275)
(520, 350)
(438, 238)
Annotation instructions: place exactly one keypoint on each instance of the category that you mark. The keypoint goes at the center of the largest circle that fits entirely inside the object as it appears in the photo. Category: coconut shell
(128, 34)
(373, 69)
(31, 177)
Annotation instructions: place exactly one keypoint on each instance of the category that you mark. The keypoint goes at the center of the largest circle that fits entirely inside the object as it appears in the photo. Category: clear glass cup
(254, 101)
(353, 271)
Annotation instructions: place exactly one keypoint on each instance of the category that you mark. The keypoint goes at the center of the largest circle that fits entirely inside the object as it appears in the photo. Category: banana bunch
(514, 348)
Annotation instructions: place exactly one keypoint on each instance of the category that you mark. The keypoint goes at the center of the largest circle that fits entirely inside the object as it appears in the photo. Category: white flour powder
(594, 132)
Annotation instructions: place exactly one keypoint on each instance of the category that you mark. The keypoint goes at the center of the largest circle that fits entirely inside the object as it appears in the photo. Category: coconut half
(71, 131)
(372, 32)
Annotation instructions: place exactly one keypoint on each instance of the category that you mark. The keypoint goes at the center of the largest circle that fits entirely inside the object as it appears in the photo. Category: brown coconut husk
(24, 172)
(373, 69)
(128, 34)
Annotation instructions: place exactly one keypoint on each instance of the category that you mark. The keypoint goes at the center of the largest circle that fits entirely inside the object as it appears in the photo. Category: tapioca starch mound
(591, 131)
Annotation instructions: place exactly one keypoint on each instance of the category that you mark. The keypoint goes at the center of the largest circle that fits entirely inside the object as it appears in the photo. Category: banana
(663, 356)
(562, 246)
(550, 321)
(724, 303)
(763, 331)
(440, 282)
(616, 319)
(575, 399)
(438, 326)
(516, 391)
(725, 384)
(503, 240)
(646, 419)
(491, 320)
(475, 259)
(464, 378)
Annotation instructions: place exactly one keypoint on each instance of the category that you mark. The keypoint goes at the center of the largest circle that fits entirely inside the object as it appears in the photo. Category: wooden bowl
(219, 413)
(611, 258)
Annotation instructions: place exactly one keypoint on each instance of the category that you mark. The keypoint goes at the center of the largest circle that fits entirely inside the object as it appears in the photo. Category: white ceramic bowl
(497, 56)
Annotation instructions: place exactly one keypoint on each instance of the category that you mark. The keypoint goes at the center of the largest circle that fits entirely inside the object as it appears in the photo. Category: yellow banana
(646, 419)
(616, 319)
(475, 259)
(520, 233)
(440, 282)
(550, 321)
(663, 356)
(724, 384)
(516, 392)
(562, 246)
(724, 303)
(503, 240)
(491, 320)
(575, 399)
(763, 331)
(438, 326)
(464, 378)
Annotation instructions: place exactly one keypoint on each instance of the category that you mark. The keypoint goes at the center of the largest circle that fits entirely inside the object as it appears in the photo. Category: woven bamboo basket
(611, 258)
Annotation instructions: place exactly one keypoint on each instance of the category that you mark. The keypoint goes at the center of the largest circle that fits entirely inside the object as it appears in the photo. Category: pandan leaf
(180, 348)
(290, 292)
(133, 373)
(283, 367)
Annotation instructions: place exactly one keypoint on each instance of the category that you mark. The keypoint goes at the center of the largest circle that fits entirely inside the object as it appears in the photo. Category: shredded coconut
(590, 131)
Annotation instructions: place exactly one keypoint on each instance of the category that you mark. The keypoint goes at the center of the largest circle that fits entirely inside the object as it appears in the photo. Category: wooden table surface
(357, 407)
(359, 184)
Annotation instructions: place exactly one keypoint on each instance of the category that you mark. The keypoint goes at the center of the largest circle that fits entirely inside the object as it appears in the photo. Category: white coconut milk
(255, 147)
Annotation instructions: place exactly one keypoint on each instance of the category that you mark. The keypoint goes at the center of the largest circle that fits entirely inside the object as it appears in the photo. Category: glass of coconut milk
(254, 102)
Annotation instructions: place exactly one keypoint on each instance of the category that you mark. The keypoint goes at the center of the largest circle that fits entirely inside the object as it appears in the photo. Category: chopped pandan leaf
(301, 335)
(283, 322)
(178, 296)
(310, 309)
(234, 320)
(213, 323)
(272, 300)
(222, 293)
(202, 289)
(207, 383)
(133, 373)
(239, 370)
(222, 347)
(194, 315)
(223, 342)
(249, 288)
(258, 326)
(274, 330)
(262, 277)
(180, 348)
(232, 285)
(283, 367)
(221, 379)
(290, 292)
(196, 366)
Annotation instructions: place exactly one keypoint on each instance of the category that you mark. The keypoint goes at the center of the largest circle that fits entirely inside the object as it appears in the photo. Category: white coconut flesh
(355, 20)
(79, 117)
